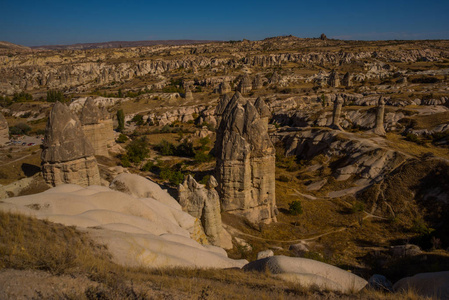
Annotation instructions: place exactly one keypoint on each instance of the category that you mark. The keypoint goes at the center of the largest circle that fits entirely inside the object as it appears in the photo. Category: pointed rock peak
(222, 104)
(211, 183)
(262, 108)
(381, 101)
(64, 138)
(190, 183)
(90, 113)
(338, 100)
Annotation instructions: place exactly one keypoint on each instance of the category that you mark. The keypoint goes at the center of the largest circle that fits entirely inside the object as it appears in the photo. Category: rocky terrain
(303, 158)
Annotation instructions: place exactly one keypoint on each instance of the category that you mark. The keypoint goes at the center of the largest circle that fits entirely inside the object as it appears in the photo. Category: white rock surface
(144, 231)
(308, 272)
(434, 285)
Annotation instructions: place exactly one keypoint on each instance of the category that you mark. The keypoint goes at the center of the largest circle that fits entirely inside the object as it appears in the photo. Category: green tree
(121, 120)
(137, 150)
(54, 95)
(295, 208)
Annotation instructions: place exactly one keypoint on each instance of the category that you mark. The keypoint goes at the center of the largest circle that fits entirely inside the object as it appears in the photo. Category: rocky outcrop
(188, 93)
(275, 78)
(379, 128)
(347, 80)
(4, 130)
(338, 104)
(334, 80)
(203, 203)
(323, 37)
(257, 82)
(245, 85)
(97, 127)
(246, 160)
(224, 88)
(67, 156)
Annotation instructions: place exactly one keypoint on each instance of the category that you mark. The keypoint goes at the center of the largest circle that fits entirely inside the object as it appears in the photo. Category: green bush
(357, 207)
(20, 128)
(125, 161)
(121, 120)
(122, 138)
(137, 150)
(148, 166)
(166, 148)
(201, 157)
(22, 97)
(138, 119)
(295, 208)
(54, 95)
(185, 149)
(173, 176)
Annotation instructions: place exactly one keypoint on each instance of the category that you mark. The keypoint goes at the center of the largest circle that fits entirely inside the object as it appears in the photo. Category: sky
(43, 22)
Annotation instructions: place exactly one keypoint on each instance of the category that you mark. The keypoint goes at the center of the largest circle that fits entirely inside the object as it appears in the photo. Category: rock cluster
(246, 160)
(4, 130)
(257, 82)
(275, 78)
(97, 127)
(67, 156)
(203, 203)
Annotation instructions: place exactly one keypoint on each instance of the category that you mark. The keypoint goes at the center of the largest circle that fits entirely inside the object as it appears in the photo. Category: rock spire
(67, 156)
(246, 160)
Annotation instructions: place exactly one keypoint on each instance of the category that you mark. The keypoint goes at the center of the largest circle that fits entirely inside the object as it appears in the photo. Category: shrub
(295, 208)
(53, 96)
(201, 157)
(138, 119)
(148, 166)
(185, 149)
(125, 161)
(20, 128)
(284, 178)
(173, 176)
(122, 138)
(22, 97)
(121, 120)
(137, 150)
(165, 148)
(357, 207)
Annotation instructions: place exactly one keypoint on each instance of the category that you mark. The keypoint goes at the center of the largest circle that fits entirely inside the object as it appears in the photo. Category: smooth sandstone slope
(138, 231)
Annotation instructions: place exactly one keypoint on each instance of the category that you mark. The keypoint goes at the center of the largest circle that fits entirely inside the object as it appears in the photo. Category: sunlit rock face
(97, 127)
(67, 156)
(246, 160)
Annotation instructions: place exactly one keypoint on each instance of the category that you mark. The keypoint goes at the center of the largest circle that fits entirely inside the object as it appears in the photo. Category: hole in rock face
(29, 170)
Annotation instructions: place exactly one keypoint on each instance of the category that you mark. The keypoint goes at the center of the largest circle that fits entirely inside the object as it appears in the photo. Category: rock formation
(97, 127)
(334, 80)
(275, 78)
(379, 127)
(246, 161)
(67, 156)
(188, 93)
(347, 80)
(257, 83)
(224, 88)
(245, 85)
(323, 37)
(204, 203)
(221, 107)
(4, 130)
(338, 103)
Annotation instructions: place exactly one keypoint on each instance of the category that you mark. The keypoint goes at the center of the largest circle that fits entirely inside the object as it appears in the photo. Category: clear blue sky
(43, 22)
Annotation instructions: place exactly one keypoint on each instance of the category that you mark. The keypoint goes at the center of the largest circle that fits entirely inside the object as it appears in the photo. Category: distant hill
(8, 47)
(118, 44)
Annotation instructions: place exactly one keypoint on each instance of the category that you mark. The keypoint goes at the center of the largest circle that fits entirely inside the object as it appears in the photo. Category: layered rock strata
(246, 160)
(67, 156)
(97, 127)
(4, 130)
(203, 203)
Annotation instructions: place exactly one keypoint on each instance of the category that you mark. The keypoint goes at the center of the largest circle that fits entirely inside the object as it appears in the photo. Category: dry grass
(397, 142)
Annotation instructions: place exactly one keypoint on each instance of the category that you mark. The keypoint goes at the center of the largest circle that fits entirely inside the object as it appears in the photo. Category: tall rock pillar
(67, 156)
(379, 128)
(246, 161)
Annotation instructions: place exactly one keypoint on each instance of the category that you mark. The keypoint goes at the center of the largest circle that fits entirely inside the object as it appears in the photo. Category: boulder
(308, 273)
(67, 156)
(265, 254)
(224, 88)
(380, 282)
(245, 85)
(246, 161)
(433, 285)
